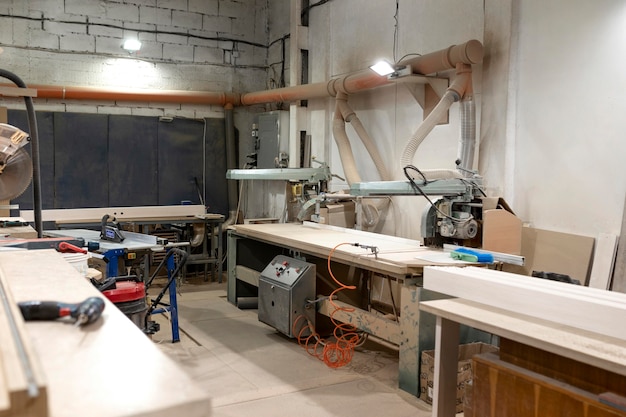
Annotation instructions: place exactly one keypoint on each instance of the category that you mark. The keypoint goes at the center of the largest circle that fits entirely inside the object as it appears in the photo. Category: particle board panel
(603, 261)
(619, 272)
(106, 369)
(580, 307)
(550, 251)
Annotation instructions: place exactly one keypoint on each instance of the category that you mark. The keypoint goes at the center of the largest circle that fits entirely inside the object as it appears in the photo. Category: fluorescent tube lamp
(382, 68)
(131, 45)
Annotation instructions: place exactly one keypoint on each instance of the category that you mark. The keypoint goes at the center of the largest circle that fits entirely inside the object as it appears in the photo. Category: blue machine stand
(173, 269)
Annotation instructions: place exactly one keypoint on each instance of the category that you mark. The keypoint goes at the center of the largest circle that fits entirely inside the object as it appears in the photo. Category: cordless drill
(83, 313)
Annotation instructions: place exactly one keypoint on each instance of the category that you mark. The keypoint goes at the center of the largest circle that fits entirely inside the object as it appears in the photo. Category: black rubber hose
(34, 143)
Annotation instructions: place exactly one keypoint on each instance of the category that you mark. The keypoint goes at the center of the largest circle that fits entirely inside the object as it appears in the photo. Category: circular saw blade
(16, 176)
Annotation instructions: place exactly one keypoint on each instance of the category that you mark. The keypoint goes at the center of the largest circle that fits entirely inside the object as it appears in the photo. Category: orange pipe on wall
(470, 52)
(129, 94)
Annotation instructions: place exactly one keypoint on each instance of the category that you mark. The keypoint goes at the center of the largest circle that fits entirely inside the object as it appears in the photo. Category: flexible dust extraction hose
(345, 150)
(449, 97)
(371, 210)
(468, 135)
(351, 117)
(34, 143)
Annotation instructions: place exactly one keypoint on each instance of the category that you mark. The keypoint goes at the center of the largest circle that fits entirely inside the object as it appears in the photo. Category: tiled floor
(249, 369)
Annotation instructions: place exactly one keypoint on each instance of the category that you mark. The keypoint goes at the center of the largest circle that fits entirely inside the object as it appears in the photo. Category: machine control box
(285, 285)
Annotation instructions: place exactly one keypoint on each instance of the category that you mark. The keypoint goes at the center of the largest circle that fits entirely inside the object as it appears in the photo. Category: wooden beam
(18, 92)
(580, 307)
(87, 215)
(363, 320)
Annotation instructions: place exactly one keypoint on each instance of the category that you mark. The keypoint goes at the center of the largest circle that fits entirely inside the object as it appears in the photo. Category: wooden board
(577, 306)
(23, 389)
(106, 369)
(603, 261)
(595, 349)
(549, 251)
(86, 215)
(396, 255)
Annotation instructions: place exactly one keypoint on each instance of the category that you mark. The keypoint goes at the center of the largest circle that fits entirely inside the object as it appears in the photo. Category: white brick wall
(78, 43)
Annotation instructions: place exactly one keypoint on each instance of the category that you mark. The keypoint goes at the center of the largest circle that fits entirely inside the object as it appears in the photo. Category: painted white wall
(550, 125)
(569, 138)
(349, 35)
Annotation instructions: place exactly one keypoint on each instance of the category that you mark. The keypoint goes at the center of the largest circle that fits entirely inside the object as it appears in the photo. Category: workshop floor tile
(248, 368)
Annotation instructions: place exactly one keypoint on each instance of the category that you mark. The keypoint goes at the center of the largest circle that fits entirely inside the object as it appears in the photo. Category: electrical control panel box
(273, 140)
(285, 286)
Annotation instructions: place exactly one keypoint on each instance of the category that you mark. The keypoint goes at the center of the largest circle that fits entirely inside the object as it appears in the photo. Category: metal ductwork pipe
(468, 135)
(469, 53)
(231, 163)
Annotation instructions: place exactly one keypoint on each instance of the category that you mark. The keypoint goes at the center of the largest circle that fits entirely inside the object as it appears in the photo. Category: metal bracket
(427, 91)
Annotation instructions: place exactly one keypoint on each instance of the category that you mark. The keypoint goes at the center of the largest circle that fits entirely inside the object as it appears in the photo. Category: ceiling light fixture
(131, 45)
(384, 68)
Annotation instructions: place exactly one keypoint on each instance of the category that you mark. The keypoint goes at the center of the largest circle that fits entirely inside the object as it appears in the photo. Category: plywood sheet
(550, 251)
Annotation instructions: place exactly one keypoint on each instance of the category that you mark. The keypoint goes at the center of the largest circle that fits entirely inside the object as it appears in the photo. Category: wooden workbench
(561, 333)
(106, 369)
(252, 246)
(396, 256)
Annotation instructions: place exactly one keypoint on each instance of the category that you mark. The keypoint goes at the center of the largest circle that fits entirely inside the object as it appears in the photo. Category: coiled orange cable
(338, 352)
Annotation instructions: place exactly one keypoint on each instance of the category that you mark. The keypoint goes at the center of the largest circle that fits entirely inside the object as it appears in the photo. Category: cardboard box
(464, 371)
(340, 214)
(502, 230)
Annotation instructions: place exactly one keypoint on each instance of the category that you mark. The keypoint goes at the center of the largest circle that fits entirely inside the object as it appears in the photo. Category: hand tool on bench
(85, 312)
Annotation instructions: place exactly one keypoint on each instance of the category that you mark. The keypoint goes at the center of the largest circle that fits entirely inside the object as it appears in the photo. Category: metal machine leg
(172, 271)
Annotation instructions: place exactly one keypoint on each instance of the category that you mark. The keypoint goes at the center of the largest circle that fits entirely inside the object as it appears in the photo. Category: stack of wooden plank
(568, 356)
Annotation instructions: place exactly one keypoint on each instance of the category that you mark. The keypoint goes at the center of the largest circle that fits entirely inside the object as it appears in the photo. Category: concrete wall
(201, 45)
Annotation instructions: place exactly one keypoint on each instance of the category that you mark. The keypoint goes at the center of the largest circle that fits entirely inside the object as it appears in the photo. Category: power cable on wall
(304, 14)
(151, 31)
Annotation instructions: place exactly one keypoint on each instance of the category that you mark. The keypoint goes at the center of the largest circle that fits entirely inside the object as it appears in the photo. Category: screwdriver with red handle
(83, 313)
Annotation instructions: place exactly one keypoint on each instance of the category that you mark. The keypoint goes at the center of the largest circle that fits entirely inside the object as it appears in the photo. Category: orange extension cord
(339, 352)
